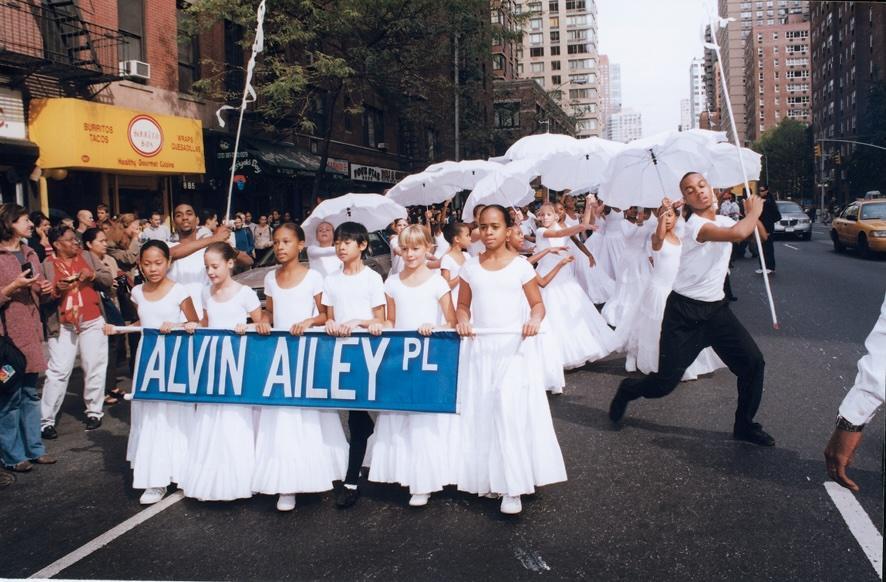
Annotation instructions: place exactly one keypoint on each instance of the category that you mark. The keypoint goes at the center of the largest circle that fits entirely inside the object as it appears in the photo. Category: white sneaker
(760, 271)
(152, 495)
(491, 495)
(419, 500)
(286, 502)
(511, 505)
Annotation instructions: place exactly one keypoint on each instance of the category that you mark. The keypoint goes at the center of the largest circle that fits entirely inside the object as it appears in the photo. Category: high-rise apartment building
(504, 49)
(697, 91)
(614, 88)
(848, 47)
(624, 126)
(746, 14)
(685, 115)
(559, 52)
(777, 59)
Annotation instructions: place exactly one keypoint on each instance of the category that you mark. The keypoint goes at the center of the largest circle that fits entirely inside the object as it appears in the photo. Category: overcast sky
(653, 41)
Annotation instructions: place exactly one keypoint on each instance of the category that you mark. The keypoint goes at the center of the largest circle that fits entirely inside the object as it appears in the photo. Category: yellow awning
(78, 134)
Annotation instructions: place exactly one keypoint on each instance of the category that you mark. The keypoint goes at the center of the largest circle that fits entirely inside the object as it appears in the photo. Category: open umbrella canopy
(649, 169)
(373, 211)
(579, 168)
(464, 174)
(536, 147)
(422, 189)
(508, 186)
(726, 170)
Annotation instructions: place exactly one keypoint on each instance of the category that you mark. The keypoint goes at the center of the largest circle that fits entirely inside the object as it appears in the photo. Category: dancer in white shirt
(416, 450)
(508, 442)
(297, 450)
(321, 256)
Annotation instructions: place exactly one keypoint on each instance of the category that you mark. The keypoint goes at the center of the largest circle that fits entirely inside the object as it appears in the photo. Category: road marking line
(859, 523)
(107, 537)
(791, 247)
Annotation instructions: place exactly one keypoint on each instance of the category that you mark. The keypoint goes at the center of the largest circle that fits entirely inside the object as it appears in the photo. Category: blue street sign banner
(400, 370)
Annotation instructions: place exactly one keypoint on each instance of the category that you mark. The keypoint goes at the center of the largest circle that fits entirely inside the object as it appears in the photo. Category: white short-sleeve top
(154, 314)
(230, 313)
(417, 305)
(703, 266)
(353, 296)
(497, 297)
(294, 304)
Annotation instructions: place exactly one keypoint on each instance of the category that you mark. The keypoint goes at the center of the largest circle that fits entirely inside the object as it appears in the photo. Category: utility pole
(456, 80)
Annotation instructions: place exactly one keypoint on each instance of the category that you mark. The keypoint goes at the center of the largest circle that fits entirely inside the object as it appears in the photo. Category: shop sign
(108, 138)
(337, 166)
(376, 174)
(12, 114)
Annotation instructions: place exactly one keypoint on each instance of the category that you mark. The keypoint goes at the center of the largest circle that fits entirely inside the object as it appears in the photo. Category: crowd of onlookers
(59, 283)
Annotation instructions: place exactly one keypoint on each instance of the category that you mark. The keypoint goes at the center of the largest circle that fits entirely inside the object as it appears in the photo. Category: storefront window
(373, 126)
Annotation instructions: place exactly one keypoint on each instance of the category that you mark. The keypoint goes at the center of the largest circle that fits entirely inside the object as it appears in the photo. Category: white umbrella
(649, 169)
(508, 186)
(726, 170)
(535, 147)
(581, 167)
(464, 174)
(373, 211)
(422, 189)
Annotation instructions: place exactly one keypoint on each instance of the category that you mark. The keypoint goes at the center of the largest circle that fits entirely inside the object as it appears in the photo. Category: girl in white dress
(458, 235)
(321, 256)
(593, 279)
(158, 442)
(634, 268)
(641, 332)
(221, 453)
(297, 450)
(582, 333)
(396, 253)
(476, 247)
(416, 450)
(612, 244)
(508, 442)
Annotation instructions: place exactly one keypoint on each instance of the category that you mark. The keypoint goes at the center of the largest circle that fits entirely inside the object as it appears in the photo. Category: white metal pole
(746, 184)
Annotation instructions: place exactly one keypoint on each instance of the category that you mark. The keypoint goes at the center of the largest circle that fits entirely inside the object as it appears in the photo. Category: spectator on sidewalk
(39, 241)
(156, 230)
(243, 239)
(123, 243)
(75, 325)
(20, 296)
(247, 222)
(770, 216)
(84, 221)
(102, 214)
(263, 234)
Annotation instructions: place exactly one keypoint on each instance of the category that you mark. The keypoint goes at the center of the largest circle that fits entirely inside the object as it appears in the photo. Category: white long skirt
(161, 448)
(298, 450)
(221, 455)
(416, 450)
(582, 333)
(508, 444)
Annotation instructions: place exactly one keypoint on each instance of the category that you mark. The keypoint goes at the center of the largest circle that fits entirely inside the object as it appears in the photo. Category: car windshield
(790, 208)
(876, 211)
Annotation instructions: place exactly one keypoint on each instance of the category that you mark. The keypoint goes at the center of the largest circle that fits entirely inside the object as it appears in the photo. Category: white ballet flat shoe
(511, 505)
(419, 500)
(286, 502)
(152, 495)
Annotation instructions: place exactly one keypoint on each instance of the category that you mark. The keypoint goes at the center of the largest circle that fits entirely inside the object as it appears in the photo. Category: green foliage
(788, 158)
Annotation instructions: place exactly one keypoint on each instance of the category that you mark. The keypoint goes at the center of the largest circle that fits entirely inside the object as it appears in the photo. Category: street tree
(788, 158)
(865, 164)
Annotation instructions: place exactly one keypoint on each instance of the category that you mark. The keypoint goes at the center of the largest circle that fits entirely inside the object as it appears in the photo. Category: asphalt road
(670, 496)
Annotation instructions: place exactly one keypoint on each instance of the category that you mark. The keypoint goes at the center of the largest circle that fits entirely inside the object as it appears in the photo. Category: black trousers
(687, 328)
(769, 253)
(361, 426)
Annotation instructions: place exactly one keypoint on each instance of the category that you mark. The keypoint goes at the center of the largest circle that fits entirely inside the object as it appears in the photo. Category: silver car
(794, 221)
(378, 258)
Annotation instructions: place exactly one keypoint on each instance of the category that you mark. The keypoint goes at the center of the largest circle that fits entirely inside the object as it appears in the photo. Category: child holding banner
(221, 452)
(297, 450)
(158, 438)
(354, 297)
(417, 450)
(508, 442)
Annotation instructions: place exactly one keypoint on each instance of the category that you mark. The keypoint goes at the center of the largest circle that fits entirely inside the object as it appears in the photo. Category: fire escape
(50, 49)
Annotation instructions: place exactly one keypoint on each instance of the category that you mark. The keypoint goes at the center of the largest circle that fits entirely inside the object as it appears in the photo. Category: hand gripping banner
(399, 370)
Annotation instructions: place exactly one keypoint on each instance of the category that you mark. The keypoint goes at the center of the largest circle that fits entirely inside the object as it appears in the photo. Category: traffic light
(818, 150)
(838, 159)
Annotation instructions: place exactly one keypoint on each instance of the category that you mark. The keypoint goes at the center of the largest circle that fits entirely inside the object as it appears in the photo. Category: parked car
(794, 220)
(378, 258)
(861, 225)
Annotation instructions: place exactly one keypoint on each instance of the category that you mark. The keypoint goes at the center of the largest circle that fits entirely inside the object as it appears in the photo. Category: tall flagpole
(715, 46)
(248, 97)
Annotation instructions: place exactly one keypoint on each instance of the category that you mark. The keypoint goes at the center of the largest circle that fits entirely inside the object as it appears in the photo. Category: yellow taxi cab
(861, 225)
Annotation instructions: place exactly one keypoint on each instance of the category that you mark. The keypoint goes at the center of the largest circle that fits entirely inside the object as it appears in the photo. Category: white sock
(351, 487)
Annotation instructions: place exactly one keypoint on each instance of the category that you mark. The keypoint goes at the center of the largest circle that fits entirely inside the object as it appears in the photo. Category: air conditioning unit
(381, 145)
(135, 70)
